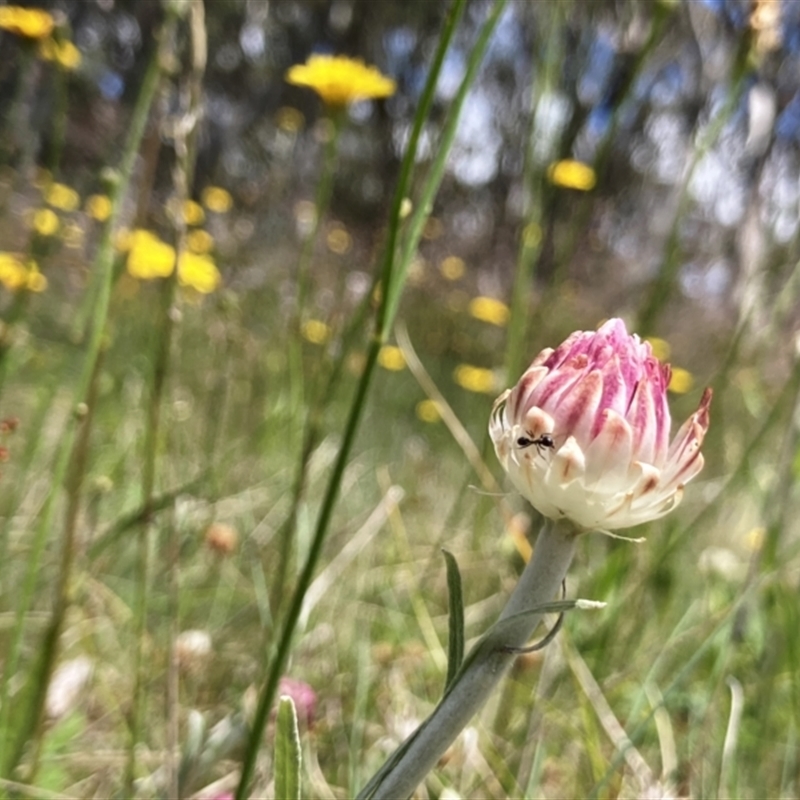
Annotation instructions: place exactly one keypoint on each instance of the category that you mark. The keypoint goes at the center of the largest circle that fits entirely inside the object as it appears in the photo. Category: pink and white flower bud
(584, 435)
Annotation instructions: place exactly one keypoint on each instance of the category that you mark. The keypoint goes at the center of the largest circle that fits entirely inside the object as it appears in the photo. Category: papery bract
(584, 435)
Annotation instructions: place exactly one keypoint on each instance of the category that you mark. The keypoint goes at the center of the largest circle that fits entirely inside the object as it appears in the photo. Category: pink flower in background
(584, 435)
(303, 696)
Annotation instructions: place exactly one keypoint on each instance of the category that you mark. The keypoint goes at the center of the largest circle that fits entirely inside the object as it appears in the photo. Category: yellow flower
(572, 175)
(199, 241)
(315, 331)
(452, 268)
(32, 23)
(660, 347)
(487, 309)
(45, 222)
(34, 280)
(149, 257)
(681, 381)
(428, 411)
(98, 207)
(193, 213)
(199, 272)
(65, 54)
(391, 358)
(13, 274)
(217, 199)
(474, 379)
(61, 196)
(340, 80)
(338, 240)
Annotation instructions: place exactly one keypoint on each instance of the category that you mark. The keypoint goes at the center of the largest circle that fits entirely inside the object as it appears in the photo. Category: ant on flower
(545, 440)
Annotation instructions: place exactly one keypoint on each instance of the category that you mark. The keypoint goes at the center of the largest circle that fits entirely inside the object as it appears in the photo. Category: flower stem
(484, 667)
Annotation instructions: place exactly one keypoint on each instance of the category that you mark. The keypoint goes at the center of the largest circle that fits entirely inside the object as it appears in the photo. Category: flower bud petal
(584, 434)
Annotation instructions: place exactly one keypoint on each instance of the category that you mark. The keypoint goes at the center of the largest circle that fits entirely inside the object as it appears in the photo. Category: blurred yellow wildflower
(16, 275)
(148, 256)
(61, 196)
(487, 309)
(98, 207)
(13, 274)
(193, 213)
(315, 331)
(452, 268)
(338, 240)
(65, 54)
(660, 347)
(681, 381)
(45, 222)
(289, 119)
(428, 411)
(217, 199)
(474, 379)
(199, 272)
(340, 80)
(572, 175)
(32, 23)
(391, 358)
(199, 241)
(34, 280)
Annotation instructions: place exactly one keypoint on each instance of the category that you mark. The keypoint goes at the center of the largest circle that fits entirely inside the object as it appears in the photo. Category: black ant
(545, 440)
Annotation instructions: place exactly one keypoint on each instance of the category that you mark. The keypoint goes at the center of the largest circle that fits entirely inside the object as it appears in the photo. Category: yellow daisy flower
(217, 199)
(32, 23)
(61, 196)
(34, 280)
(149, 257)
(572, 175)
(199, 241)
(65, 54)
(391, 358)
(487, 309)
(45, 222)
(13, 274)
(452, 268)
(199, 272)
(315, 331)
(340, 80)
(428, 411)
(98, 206)
(474, 379)
(681, 381)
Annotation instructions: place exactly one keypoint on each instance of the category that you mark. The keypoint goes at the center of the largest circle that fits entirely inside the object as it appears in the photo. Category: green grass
(701, 616)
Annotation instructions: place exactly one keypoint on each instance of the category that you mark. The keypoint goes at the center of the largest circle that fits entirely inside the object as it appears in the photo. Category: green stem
(356, 412)
(185, 139)
(425, 203)
(32, 698)
(483, 669)
(103, 268)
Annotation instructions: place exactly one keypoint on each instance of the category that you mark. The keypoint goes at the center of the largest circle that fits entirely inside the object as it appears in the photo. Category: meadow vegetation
(244, 402)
